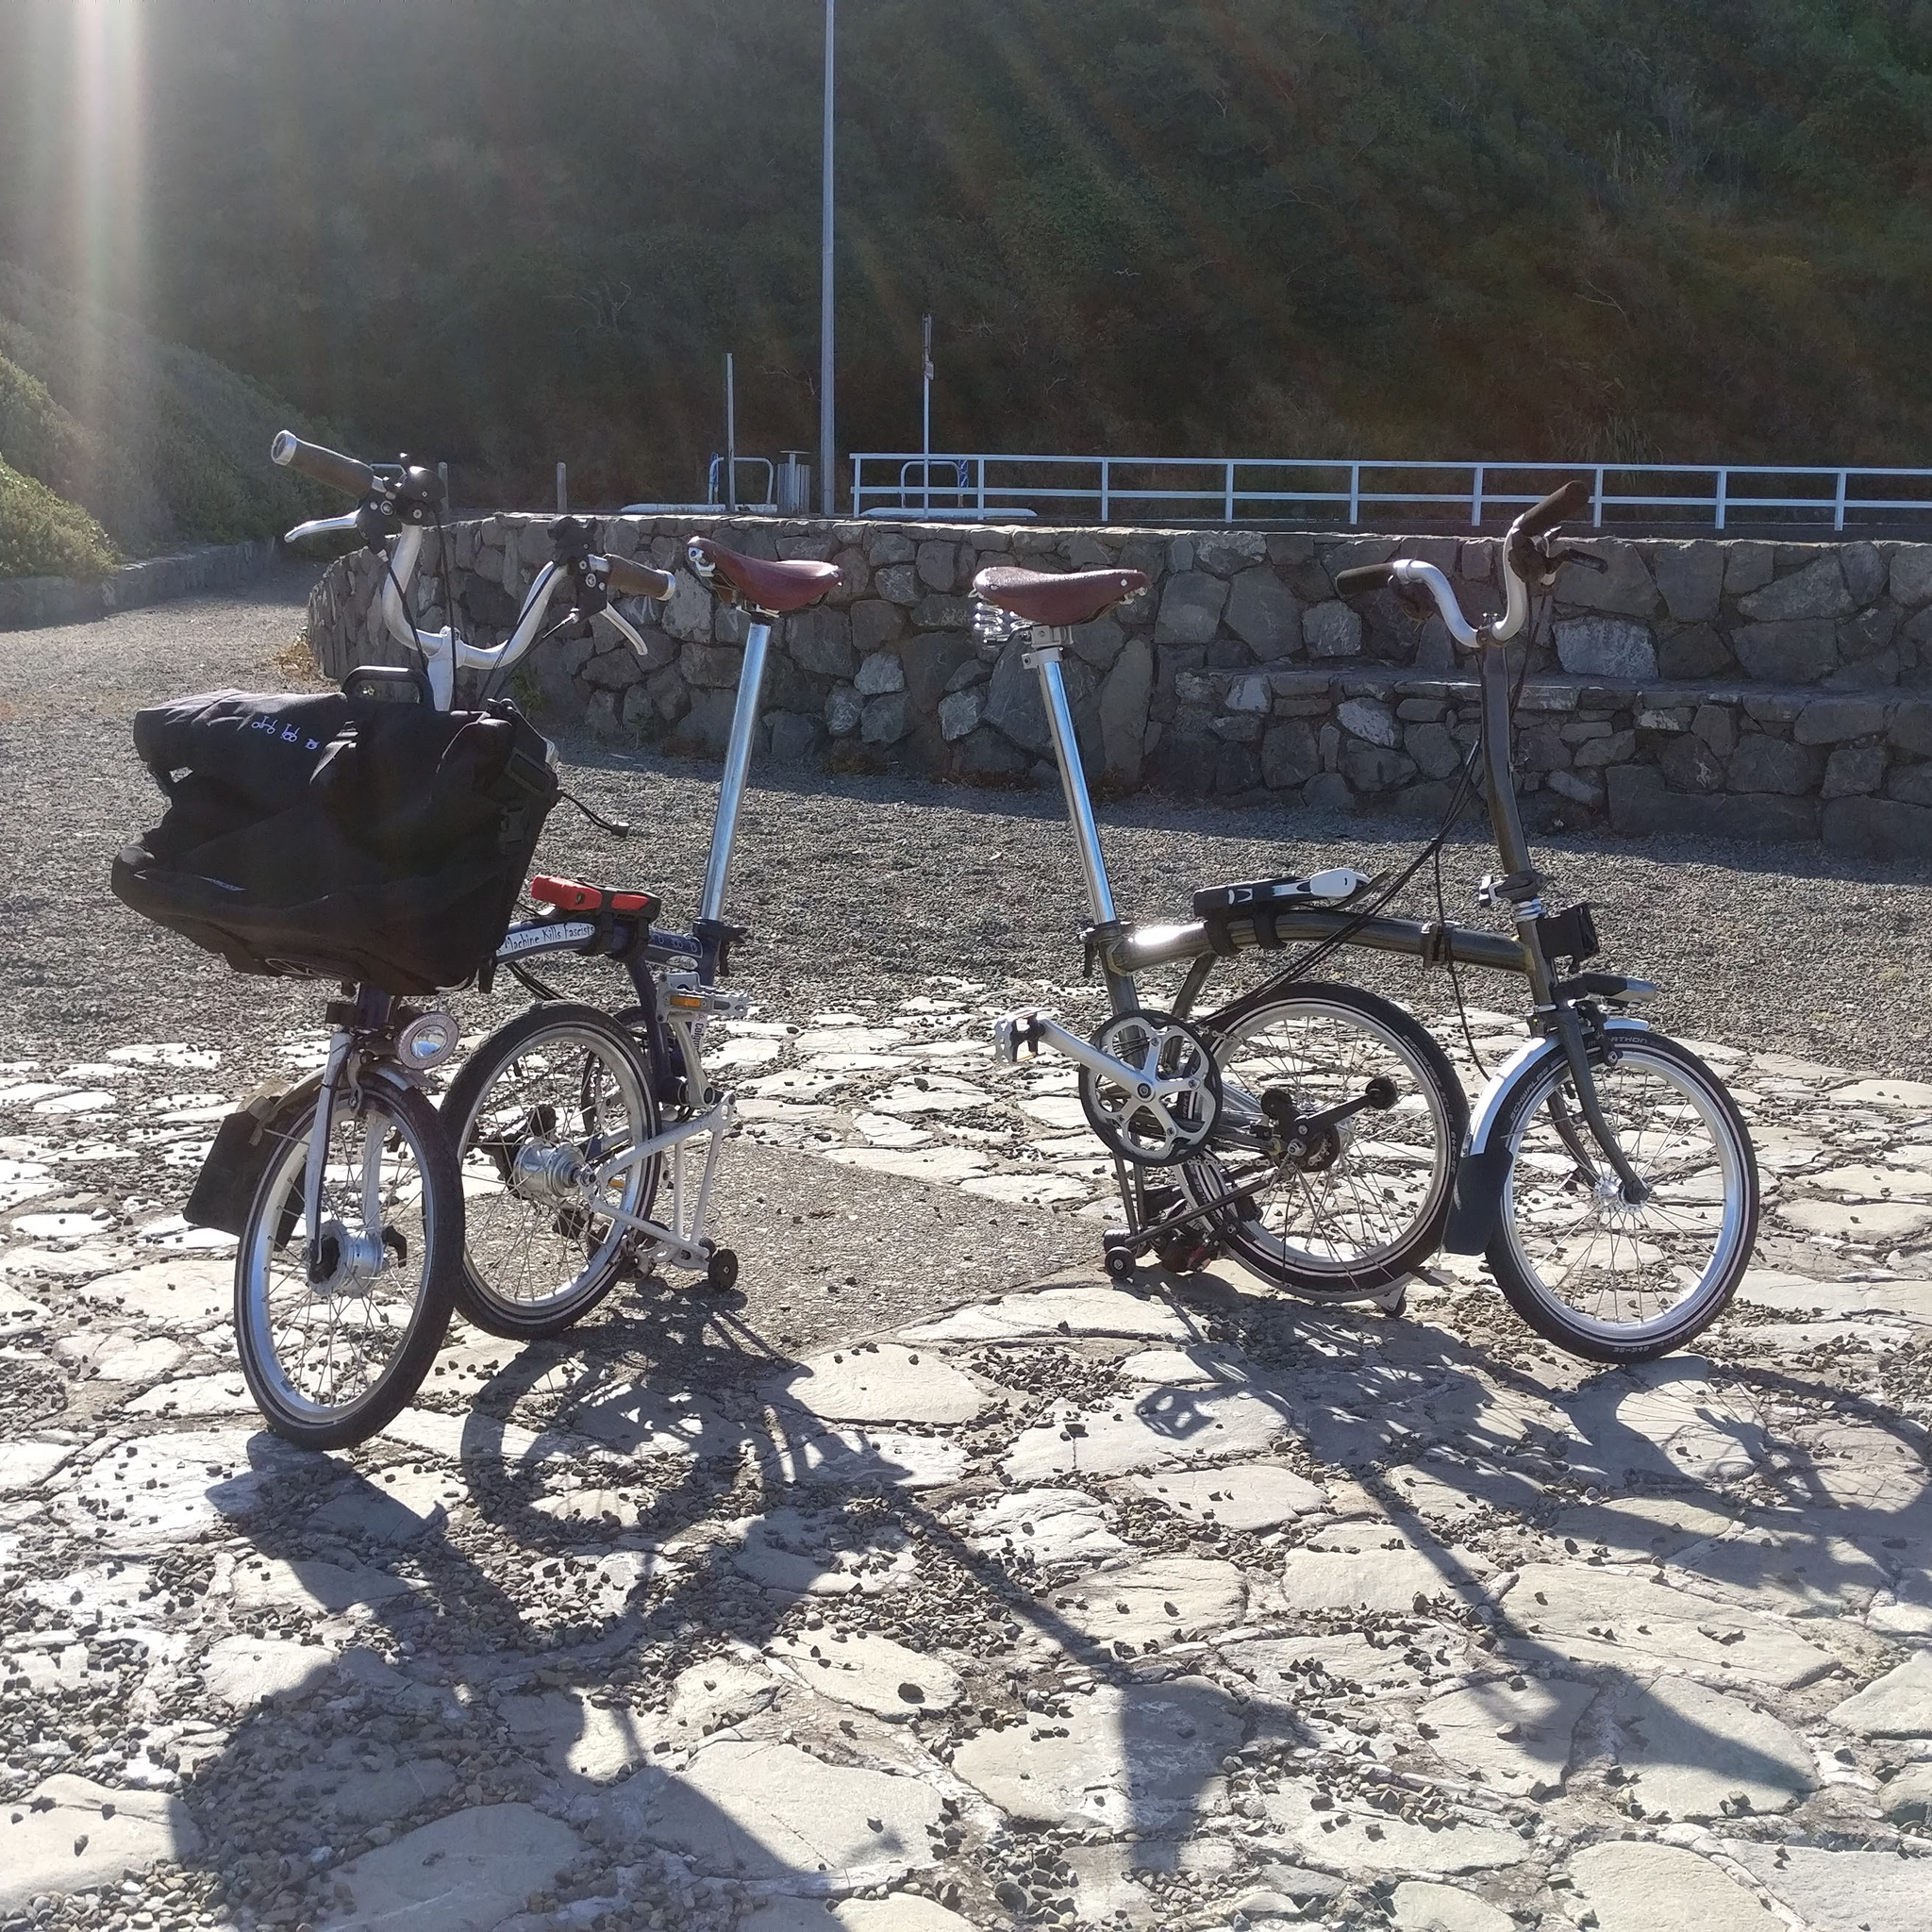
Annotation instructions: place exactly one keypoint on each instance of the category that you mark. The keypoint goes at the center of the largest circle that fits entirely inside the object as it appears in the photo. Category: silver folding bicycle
(568, 1120)
(1318, 1133)
(342, 1192)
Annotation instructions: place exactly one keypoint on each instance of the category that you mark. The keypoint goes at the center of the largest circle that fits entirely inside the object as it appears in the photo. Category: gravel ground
(858, 887)
(1178, 1608)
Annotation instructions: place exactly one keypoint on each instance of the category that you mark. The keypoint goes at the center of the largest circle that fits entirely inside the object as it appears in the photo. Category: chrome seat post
(1044, 656)
(744, 719)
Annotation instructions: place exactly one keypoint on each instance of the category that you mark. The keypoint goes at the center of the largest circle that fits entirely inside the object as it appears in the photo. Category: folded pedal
(1018, 1037)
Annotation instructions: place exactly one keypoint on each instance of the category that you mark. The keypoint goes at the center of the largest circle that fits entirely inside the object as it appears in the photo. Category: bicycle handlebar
(1557, 507)
(325, 466)
(1367, 577)
(627, 579)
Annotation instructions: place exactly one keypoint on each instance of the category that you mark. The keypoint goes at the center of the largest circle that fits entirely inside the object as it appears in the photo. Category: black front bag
(340, 836)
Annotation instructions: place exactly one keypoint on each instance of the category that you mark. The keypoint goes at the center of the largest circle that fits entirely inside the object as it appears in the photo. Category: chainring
(1168, 1114)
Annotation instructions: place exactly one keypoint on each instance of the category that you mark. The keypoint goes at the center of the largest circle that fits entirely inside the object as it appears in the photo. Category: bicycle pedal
(1017, 1038)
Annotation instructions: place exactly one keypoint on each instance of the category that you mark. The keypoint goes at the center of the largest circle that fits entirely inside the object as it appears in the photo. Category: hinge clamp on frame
(1514, 889)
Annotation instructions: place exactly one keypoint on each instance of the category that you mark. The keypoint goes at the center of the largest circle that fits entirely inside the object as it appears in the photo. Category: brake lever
(1568, 553)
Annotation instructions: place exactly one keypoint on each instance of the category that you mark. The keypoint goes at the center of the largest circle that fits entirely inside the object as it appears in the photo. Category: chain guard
(1146, 1129)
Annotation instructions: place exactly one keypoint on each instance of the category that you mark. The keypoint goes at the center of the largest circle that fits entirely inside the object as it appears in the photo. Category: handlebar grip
(1559, 505)
(322, 465)
(1367, 577)
(627, 579)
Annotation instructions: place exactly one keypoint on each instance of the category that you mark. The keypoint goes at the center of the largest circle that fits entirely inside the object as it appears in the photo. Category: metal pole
(730, 436)
(744, 725)
(825, 425)
(925, 409)
(1045, 658)
(562, 493)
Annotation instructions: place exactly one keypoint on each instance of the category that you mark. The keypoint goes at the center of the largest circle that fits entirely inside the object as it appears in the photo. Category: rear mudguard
(1484, 1164)
(246, 1141)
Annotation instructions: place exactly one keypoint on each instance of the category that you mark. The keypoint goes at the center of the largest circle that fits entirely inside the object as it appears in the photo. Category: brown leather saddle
(1053, 600)
(759, 583)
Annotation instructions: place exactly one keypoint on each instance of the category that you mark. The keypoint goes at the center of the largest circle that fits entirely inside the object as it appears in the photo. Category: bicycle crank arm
(1379, 1094)
(1021, 1035)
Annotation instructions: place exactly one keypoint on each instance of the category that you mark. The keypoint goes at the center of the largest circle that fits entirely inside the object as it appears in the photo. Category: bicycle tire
(1672, 1229)
(529, 1214)
(1327, 1265)
(417, 1249)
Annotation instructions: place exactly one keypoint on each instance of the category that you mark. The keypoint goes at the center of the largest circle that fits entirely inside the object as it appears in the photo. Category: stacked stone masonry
(1734, 689)
(33, 603)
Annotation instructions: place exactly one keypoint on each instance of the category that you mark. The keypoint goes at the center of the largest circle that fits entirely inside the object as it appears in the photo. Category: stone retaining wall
(1738, 688)
(33, 603)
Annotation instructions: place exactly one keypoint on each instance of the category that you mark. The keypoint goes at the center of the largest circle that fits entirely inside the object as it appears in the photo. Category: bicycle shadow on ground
(735, 1642)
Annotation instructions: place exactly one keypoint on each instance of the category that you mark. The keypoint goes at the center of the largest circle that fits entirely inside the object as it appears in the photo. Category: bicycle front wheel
(338, 1322)
(1339, 1127)
(1606, 1278)
(542, 1107)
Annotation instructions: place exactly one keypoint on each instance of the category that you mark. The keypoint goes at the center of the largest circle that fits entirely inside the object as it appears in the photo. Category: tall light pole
(826, 440)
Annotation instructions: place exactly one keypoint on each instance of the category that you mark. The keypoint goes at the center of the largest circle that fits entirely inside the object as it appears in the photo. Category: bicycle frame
(1558, 1024)
(683, 968)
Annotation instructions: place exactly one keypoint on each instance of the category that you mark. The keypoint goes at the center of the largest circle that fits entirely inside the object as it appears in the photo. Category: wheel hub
(547, 1171)
(344, 1263)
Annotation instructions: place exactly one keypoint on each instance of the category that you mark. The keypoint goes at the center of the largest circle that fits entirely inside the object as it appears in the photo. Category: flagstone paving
(1175, 1605)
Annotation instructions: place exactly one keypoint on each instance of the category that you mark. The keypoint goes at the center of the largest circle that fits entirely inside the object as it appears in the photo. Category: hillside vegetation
(113, 441)
(508, 234)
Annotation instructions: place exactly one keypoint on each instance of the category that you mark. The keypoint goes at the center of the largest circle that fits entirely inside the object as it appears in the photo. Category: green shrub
(42, 536)
(163, 445)
(42, 439)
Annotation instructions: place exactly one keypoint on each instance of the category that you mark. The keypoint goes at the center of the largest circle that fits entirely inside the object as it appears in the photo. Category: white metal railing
(1232, 488)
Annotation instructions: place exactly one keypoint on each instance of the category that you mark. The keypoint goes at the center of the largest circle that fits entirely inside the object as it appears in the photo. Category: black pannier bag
(338, 835)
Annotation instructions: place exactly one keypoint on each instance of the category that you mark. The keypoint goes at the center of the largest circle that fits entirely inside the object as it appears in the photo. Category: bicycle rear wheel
(1362, 1202)
(544, 1101)
(336, 1324)
(1608, 1279)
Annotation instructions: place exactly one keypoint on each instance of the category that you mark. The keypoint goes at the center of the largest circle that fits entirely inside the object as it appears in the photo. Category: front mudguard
(1483, 1169)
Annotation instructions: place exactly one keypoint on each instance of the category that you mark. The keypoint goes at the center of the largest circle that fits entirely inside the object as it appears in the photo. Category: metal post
(825, 425)
(1838, 512)
(1045, 654)
(562, 493)
(1596, 502)
(1724, 490)
(925, 409)
(1106, 490)
(1227, 495)
(744, 720)
(1355, 494)
(730, 436)
(1475, 500)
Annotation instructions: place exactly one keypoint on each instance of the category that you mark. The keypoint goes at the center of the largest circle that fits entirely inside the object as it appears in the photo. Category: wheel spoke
(1361, 1199)
(1612, 1273)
